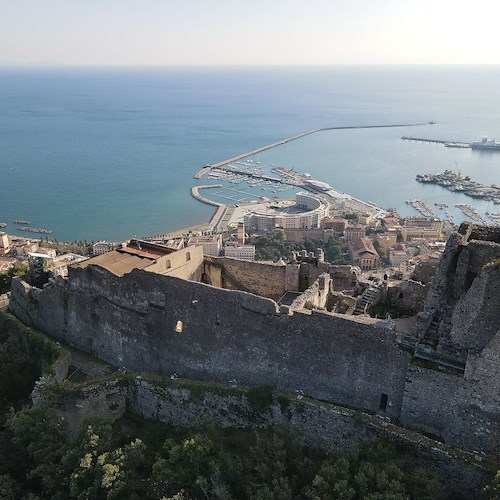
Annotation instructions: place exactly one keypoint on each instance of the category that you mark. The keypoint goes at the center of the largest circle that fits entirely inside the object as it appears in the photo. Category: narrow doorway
(383, 402)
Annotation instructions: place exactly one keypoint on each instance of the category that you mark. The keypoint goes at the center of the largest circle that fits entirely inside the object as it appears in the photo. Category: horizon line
(232, 65)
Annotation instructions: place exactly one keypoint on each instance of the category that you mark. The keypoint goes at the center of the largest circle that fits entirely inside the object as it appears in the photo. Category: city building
(4, 243)
(246, 252)
(363, 254)
(354, 232)
(386, 240)
(22, 249)
(337, 225)
(312, 209)
(6, 263)
(60, 264)
(101, 247)
(425, 222)
(212, 245)
(410, 233)
(396, 257)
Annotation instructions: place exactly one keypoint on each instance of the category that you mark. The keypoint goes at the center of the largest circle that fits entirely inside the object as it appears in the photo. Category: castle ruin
(147, 309)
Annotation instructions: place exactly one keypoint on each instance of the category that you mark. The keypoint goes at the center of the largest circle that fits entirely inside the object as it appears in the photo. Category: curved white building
(315, 210)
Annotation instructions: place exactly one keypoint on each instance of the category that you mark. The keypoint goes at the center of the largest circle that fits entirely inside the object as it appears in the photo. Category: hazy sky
(159, 32)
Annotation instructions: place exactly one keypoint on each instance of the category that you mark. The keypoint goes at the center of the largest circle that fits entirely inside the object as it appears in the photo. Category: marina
(444, 207)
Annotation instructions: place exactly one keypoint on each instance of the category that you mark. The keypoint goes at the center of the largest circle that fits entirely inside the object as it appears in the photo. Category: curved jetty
(234, 159)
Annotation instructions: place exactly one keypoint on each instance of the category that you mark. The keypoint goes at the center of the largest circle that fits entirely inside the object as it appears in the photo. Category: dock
(471, 212)
(448, 144)
(423, 208)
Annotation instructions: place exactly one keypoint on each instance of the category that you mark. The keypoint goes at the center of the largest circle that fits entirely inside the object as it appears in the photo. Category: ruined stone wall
(476, 318)
(463, 297)
(455, 408)
(131, 322)
(409, 296)
(316, 296)
(254, 277)
(473, 257)
(344, 277)
(424, 272)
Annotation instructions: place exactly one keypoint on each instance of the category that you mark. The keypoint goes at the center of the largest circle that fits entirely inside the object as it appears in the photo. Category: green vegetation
(273, 246)
(61, 247)
(135, 458)
(276, 246)
(6, 277)
(260, 397)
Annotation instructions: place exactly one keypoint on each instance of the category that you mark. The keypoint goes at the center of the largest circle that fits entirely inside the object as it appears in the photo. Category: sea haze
(110, 153)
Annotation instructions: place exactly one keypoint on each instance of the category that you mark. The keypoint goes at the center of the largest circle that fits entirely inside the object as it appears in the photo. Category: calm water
(108, 154)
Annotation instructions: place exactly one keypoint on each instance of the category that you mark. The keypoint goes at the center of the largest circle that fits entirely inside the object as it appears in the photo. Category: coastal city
(252, 199)
(377, 241)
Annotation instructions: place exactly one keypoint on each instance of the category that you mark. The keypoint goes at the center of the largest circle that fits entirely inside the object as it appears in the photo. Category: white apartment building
(246, 252)
(212, 245)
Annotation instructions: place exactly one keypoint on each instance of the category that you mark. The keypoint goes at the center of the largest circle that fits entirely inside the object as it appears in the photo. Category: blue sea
(101, 153)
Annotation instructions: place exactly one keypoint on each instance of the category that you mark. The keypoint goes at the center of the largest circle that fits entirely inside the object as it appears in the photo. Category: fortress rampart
(149, 322)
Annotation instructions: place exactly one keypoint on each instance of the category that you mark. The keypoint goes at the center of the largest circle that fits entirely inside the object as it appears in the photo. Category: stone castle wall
(261, 279)
(159, 324)
(131, 322)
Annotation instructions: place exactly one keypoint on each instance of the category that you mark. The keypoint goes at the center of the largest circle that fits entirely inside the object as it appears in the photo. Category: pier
(421, 207)
(471, 212)
(448, 144)
(234, 159)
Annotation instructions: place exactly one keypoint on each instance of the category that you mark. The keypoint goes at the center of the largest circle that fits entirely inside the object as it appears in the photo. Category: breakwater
(233, 159)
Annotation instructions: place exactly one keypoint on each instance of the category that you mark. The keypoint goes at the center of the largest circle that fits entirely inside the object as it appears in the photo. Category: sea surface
(95, 153)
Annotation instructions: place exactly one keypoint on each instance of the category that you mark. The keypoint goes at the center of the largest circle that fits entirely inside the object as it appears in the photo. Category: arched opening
(168, 264)
(188, 256)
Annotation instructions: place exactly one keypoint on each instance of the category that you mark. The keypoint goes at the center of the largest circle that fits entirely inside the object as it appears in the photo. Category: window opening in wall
(188, 256)
(168, 264)
(383, 402)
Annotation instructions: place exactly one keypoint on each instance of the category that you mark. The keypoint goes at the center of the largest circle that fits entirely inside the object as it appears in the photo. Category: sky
(253, 32)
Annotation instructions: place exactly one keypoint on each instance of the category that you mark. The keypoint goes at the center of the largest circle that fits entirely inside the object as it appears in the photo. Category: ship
(486, 145)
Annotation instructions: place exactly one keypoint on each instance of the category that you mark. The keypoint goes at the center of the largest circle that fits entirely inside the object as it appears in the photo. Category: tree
(192, 465)
(41, 432)
(18, 269)
(492, 491)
